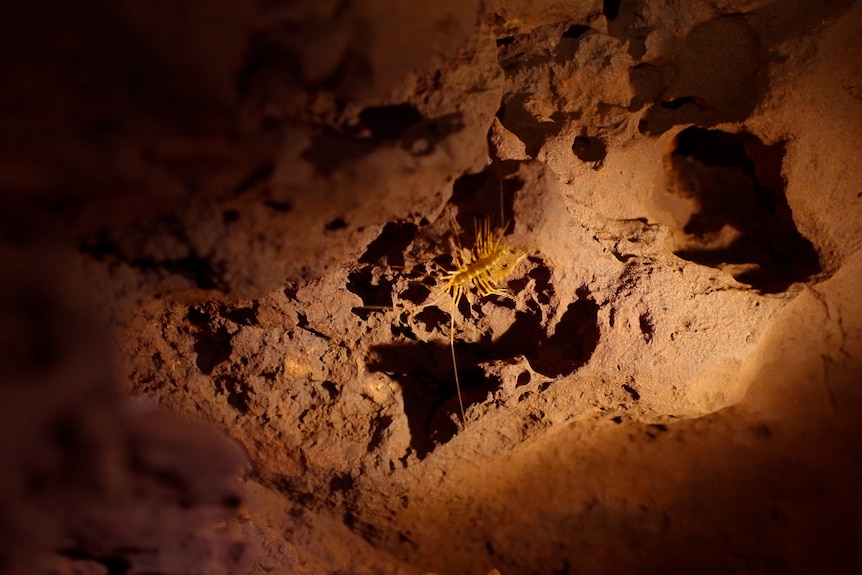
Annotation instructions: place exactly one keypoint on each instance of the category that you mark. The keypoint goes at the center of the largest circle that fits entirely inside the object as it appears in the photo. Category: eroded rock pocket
(725, 202)
(425, 373)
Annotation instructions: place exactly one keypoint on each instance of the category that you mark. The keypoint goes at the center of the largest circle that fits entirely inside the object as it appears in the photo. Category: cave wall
(226, 349)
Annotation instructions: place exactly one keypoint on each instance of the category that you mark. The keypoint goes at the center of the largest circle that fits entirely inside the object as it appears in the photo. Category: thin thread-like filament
(455, 364)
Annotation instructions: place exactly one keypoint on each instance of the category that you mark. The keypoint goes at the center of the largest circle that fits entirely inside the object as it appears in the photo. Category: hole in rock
(646, 326)
(576, 31)
(530, 126)
(416, 293)
(678, 103)
(567, 47)
(113, 564)
(424, 372)
(341, 483)
(336, 224)
(398, 123)
(376, 293)
(229, 217)
(405, 124)
(241, 315)
(725, 202)
(716, 77)
(541, 276)
(278, 206)
(433, 318)
(379, 425)
(573, 342)
(212, 341)
(390, 244)
(488, 194)
(389, 122)
(331, 389)
(590, 149)
(237, 391)
(611, 9)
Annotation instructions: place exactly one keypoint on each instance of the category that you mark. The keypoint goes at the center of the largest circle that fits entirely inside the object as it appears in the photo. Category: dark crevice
(487, 195)
(416, 293)
(533, 131)
(567, 47)
(331, 389)
(334, 225)
(210, 331)
(611, 9)
(646, 326)
(115, 245)
(576, 31)
(399, 124)
(591, 149)
(716, 79)
(278, 206)
(432, 317)
(114, 564)
(237, 390)
(379, 425)
(389, 122)
(241, 315)
(574, 339)
(303, 324)
(340, 483)
(375, 292)
(731, 211)
(424, 370)
(390, 244)
(212, 339)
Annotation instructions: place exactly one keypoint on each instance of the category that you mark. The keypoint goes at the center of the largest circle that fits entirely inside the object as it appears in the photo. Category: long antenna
(499, 163)
(454, 363)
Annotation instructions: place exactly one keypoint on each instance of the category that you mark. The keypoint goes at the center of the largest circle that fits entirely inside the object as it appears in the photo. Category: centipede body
(489, 262)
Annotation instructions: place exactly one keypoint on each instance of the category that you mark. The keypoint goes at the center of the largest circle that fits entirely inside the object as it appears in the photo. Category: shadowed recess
(424, 370)
(212, 340)
(611, 9)
(570, 347)
(390, 244)
(376, 293)
(400, 124)
(725, 193)
(236, 390)
(533, 131)
(590, 149)
(716, 78)
(488, 194)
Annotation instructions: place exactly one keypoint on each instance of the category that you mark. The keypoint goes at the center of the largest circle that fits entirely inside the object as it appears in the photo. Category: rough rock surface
(225, 346)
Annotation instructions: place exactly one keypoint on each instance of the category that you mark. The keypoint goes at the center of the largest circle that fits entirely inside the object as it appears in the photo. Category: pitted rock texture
(226, 348)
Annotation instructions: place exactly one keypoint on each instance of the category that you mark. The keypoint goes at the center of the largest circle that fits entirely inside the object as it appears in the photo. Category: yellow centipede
(489, 262)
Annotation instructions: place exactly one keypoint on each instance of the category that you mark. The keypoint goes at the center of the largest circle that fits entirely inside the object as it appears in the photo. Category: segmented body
(489, 262)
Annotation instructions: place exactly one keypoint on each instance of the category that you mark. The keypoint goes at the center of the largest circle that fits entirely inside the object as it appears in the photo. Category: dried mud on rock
(226, 349)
